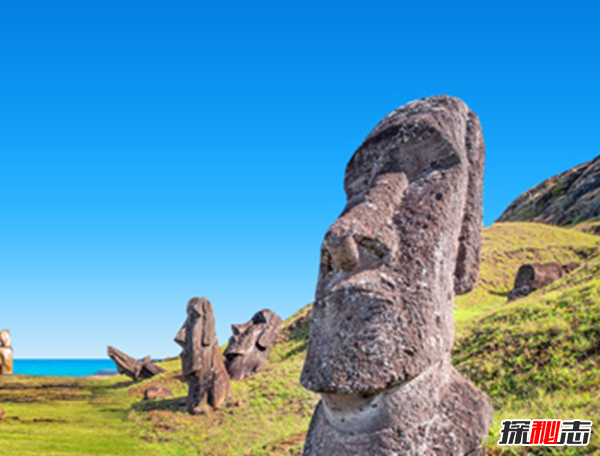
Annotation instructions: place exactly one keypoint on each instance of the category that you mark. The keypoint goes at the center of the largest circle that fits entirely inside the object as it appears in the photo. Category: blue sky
(156, 151)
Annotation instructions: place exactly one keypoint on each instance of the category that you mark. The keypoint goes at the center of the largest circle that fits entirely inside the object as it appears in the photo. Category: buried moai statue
(382, 328)
(201, 360)
(6, 353)
(532, 277)
(250, 344)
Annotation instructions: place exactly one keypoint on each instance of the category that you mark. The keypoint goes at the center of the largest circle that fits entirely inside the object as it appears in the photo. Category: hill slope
(537, 357)
(565, 199)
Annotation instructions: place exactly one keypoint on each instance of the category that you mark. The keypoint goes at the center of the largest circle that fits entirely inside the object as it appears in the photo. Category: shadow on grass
(173, 405)
(119, 385)
(296, 350)
(503, 294)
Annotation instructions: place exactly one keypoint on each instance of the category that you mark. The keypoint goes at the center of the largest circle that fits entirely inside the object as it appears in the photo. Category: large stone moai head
(250, 344)
(6, 353)
(201, 360)
(408, 240)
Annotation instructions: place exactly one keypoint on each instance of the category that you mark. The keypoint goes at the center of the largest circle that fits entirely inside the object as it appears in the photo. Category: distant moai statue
(201, 359)
(532, 277)
(251, 343)
(6, 353)
(382, 328)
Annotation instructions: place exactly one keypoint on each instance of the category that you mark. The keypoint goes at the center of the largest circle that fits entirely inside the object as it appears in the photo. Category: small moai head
(197, 334)
(408, 240)
(5, 338)
(250, 344)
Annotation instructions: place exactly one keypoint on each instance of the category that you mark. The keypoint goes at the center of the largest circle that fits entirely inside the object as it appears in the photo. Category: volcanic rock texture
(570, 197)
(251, 343)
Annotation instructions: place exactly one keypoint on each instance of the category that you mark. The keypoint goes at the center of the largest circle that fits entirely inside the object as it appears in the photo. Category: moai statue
(408, 240)
(250, 344)
(532, 277)
(6, 353)
(201, 360)
(133, 368)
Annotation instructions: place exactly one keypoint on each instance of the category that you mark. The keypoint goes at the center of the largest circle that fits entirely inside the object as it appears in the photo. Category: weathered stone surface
(157, 392)
(531, 277)
(201, 361)
(6, 353)
(382, 326)
(570, 267)
(569, 197)
(133, 368)
(251, 343)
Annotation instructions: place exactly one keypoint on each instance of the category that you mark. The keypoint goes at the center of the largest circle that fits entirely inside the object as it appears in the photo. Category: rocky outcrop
(155, 392)
(531, 277)
(408, 240)
(251, 343)
(570, 197)
(6, 353)
(133, 368)
(201, 360)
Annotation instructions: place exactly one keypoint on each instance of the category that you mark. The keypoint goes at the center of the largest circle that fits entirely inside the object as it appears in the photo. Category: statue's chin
(356, 413)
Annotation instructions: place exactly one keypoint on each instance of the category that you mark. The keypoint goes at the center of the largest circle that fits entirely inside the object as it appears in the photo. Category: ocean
(64, 367)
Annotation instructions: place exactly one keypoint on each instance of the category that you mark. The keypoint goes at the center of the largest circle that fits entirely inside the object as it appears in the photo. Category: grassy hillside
(506, 246)
(538, 357)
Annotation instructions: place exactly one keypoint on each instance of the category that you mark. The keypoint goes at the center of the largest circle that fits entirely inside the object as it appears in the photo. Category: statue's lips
(234, 353)
(356, 312)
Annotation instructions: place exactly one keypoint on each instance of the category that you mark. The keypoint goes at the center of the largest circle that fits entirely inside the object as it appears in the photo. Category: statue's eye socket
(193, 313)
(373, 246)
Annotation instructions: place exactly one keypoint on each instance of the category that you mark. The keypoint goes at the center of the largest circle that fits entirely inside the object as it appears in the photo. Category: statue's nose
(340, 244)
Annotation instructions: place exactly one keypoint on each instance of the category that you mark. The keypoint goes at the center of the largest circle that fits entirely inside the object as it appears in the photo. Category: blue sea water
(63, 367)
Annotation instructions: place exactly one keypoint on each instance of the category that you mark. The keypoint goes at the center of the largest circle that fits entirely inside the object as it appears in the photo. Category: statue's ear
(269, 334)
(468, 258)
(208, 324)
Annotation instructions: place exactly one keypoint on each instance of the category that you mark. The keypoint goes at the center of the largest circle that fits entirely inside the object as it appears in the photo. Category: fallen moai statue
(531, 277)
(251, 343)
(6, 353)
(133, 368)
(201, 360)
(408, 240)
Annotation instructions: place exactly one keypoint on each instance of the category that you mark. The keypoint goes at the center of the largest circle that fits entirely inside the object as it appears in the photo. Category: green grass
(537, 357)
(588, 225)
(54, 416)
(506, 246)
